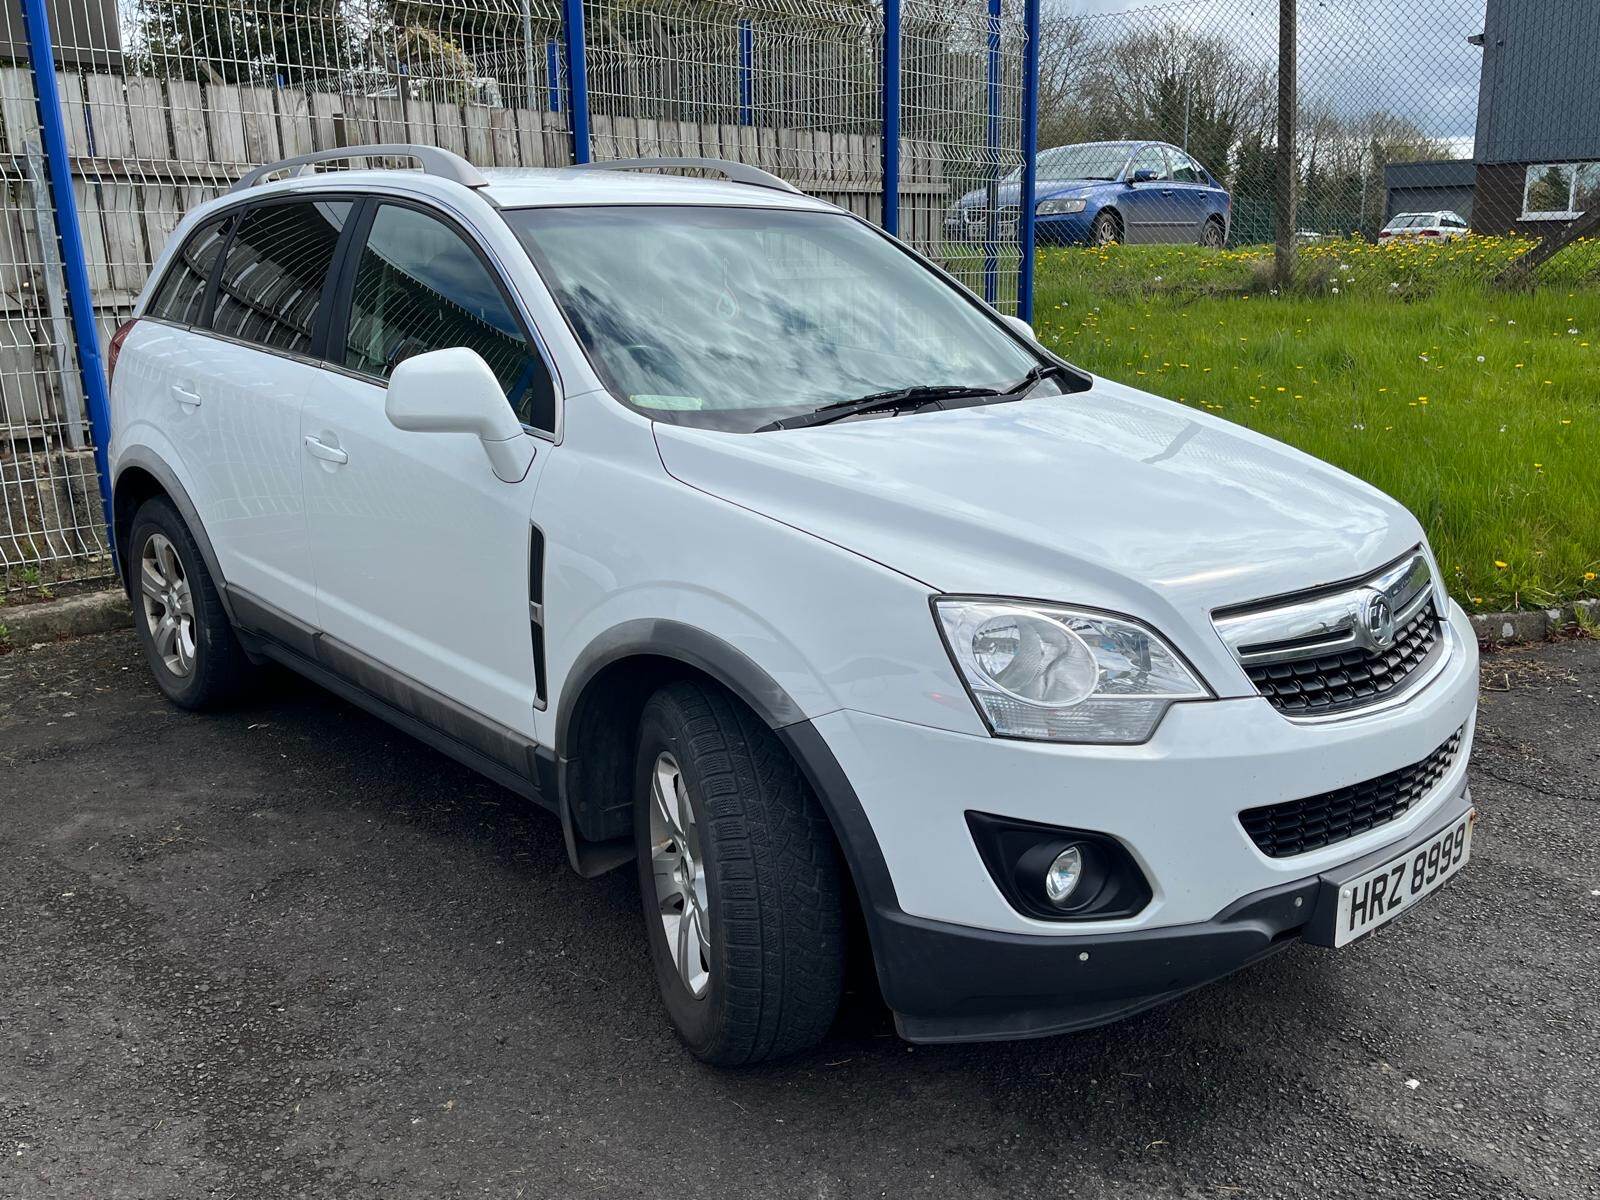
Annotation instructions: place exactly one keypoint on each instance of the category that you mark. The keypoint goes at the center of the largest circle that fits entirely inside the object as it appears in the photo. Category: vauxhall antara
(775, 564)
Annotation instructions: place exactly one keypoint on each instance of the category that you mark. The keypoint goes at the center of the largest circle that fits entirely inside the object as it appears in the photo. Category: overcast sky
(1408, 56)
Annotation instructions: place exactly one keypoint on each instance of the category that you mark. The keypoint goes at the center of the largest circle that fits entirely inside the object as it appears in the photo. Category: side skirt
(500, 754)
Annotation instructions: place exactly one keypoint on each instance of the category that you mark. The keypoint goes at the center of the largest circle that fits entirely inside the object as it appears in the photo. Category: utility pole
(1188, 106)
(1283, 200)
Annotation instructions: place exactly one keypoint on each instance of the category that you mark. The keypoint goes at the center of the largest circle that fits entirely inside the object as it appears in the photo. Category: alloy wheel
(680, 874)
(168, 604)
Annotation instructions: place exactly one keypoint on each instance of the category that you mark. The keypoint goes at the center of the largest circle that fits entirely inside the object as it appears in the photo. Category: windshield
(729, 318)
(1090, 160)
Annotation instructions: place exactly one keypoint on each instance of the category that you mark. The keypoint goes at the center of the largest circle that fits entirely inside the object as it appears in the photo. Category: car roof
(537, 187)
(533, 187)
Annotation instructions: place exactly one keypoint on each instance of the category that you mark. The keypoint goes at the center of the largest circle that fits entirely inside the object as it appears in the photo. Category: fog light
(1061, 880)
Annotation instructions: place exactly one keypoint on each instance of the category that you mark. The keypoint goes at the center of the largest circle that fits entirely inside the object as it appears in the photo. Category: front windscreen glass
(1089, 160)
(729, 318)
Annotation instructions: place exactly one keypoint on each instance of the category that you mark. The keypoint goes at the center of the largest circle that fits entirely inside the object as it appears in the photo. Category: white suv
(767, 557)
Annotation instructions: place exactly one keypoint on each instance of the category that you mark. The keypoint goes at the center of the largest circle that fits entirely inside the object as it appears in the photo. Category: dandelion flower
(1500, 565)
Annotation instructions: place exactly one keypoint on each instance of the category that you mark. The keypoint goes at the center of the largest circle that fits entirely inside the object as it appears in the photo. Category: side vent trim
(536, 612)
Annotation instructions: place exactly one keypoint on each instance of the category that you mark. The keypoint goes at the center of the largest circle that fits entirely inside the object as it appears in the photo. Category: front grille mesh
(1331, 683)
(1300, 826)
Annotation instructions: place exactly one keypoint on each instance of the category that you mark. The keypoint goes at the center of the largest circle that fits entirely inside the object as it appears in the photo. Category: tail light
(1430, 233)
(115, 348)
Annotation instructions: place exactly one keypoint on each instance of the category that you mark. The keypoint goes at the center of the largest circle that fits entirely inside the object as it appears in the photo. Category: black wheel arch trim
(747, 680)
(687, 644)
(146, 460)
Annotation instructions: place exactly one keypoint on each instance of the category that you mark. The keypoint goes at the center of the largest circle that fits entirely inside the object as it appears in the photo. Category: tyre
(740, 880)
(1106, 230)
(190, 644)
(1213, 235)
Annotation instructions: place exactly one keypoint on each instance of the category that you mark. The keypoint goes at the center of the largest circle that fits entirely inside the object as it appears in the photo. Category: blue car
(1097, 193)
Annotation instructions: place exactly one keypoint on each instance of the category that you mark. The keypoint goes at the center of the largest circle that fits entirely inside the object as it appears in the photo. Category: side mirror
(454, 391)
(1143, 175)
(1018, 325)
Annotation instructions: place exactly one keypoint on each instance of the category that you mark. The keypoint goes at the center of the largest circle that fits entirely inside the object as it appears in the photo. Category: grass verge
(1477, 408)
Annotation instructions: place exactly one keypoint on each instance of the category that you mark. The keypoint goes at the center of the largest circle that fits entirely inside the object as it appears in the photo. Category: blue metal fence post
(991, 248)
(552, 74)
(577, 77)
(891, 116)
(74, 258)
(1030, 154)
(747, 71)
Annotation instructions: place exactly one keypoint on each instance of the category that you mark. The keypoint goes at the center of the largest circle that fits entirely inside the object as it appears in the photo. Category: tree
(250, 41)
(1105, 81)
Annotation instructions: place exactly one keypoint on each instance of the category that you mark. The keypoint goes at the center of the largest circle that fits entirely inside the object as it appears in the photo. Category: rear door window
(277, 267)
(182, 294)
(420, 286)
(1184, 168)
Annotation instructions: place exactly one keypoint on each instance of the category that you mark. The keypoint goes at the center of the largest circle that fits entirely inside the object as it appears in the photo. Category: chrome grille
(1333, 683)
(1339, 649)
(1300, 826)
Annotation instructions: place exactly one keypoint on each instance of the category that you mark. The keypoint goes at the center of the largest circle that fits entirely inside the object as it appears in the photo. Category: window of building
(1560, 191)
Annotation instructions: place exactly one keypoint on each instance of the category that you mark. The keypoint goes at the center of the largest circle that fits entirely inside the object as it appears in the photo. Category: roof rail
(737, 172)
(433, 161)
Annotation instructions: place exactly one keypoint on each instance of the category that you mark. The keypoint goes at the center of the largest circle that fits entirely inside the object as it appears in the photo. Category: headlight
(1058, 674)
(1049, 208)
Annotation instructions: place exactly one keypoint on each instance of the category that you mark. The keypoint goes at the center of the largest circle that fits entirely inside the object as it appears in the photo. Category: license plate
(1385, 892)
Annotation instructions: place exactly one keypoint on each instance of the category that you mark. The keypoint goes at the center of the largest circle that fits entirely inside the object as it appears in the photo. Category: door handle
(327, 453)
(184, 396)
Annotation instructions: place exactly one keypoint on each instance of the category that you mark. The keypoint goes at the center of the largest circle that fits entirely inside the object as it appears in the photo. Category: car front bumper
(951, 983)
(1060, 229)
(958, 962)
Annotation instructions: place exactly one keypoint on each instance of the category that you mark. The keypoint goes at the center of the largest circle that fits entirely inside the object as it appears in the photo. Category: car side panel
(625, 542)
(232, 416)
(421, 551)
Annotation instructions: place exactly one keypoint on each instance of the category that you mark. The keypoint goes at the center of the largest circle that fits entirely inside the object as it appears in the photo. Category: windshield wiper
(1034, 375)
(898, 400)
(910, 399)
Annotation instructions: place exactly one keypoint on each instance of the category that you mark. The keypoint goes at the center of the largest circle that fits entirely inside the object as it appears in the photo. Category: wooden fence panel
(147, 111)
(146, 150)
(186, 106)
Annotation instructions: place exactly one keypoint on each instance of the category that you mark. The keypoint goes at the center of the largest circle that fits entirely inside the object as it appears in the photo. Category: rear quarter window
(181, 295)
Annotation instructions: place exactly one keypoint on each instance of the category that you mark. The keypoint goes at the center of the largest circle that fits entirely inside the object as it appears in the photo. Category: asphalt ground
(287, 952)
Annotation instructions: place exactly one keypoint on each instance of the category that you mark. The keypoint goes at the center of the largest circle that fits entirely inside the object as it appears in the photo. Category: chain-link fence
(1157, 123)
(165, 103)
(1418, 120)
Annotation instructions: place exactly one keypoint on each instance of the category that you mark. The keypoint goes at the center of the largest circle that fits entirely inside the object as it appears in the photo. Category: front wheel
(740, 880)
(1106, 230)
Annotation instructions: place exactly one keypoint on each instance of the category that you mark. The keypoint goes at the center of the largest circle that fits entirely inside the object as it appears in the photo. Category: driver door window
(420, 286)
(1151, 158)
